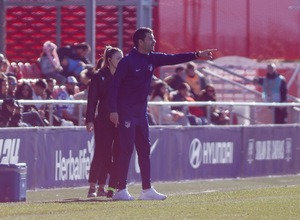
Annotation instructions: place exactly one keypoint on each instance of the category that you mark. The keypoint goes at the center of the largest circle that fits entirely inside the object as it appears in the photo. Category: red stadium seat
(36, 71)
(39, 24)
(29, 70)
(14, 68)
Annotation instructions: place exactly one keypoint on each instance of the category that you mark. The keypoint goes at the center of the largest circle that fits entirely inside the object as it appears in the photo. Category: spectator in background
(14, 70)
(180, 95)
(163, 114)
(56, 120)
(4, 64)
(12, 86)
(217, 117)
(65, 111)
(51, 83)
(25, 92)
(3, 87)
(2, 60)
(154, 81)
(175, 79)
(274, 90)
(30, 112)
(12, 115)
(194, 114)
(39, 93)
(74, 58)
(85, 80)
(50, 63)
(9, 115)
(195, 79)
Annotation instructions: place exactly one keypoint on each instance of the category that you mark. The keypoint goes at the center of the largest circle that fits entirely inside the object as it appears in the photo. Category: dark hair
(2, 80)
(83, 46)
(9, 101)
(19, 94)
(157, 91)
(179, 68)
(212, 97)
(89, 74)
(184, 85)
(48, 80)
(140, 34)
(41, 83)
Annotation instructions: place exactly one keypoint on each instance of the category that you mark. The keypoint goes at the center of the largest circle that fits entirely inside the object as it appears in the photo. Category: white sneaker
(92, 193)
(123, 195)
(151, 194)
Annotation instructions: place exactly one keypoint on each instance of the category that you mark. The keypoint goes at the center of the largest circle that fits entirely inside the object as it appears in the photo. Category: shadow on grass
(75, 200)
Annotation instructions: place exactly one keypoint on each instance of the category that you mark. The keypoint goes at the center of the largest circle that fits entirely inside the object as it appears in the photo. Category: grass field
(253, 198)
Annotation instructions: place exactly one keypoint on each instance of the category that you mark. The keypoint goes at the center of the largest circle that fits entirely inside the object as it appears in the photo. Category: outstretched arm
(207, 54)
(171, 59)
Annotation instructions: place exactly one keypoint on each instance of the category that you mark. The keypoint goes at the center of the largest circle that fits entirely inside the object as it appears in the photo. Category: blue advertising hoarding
(195, 153)
(61, 157)
(272, 150)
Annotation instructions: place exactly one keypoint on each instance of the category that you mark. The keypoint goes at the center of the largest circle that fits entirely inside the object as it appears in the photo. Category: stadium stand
(29, 26)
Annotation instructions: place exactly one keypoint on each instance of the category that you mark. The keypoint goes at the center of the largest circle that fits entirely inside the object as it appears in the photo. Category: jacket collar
(136, 52)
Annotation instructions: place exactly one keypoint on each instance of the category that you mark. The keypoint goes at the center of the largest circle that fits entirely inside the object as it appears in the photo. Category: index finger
(211, 50)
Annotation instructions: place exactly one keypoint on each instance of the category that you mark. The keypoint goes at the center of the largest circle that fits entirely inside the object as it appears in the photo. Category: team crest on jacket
(150, 67)
(127, 124)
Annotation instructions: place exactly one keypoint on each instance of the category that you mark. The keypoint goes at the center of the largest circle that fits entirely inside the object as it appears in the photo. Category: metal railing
(246, 80)
(51, 105)
(230, 105)
(295, 106)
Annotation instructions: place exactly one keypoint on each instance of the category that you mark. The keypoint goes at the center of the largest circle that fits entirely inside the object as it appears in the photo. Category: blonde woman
(50, 64)
(107, 148)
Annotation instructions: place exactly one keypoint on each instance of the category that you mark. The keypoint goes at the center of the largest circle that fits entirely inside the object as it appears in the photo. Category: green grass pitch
(251, 198)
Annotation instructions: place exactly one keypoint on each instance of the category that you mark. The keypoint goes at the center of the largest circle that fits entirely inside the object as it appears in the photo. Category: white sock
(146, 190)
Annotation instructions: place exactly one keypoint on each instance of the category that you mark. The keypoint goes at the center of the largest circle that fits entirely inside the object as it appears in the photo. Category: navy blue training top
(131, 82)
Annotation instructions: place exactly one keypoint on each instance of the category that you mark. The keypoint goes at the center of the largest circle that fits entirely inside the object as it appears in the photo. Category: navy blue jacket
(129, 89)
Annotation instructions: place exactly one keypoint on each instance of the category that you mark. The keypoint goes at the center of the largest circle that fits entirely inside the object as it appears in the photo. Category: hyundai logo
(195, 153)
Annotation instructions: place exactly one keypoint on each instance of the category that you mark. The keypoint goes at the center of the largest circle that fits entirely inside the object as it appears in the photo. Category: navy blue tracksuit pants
(131, 134)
